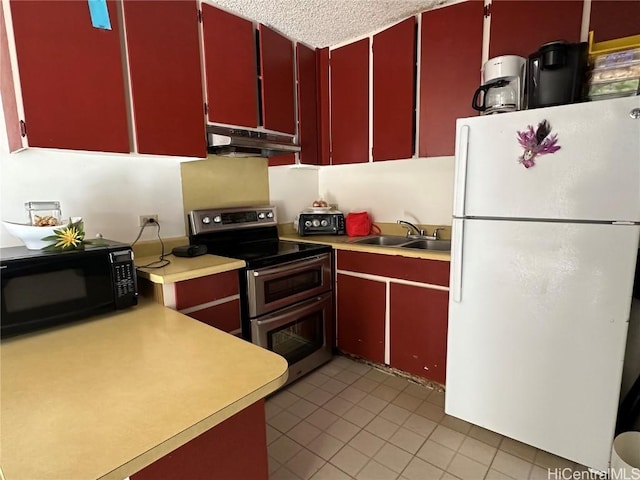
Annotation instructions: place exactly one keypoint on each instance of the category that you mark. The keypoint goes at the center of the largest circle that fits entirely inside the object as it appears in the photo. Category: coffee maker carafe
(502, 82)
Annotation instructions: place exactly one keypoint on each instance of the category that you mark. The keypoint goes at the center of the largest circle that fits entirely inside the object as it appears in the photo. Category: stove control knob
(261, 215)
(206, 220)
(270, 215)
(316, 222)
(307, 223)
(324, 223)
(217, 219)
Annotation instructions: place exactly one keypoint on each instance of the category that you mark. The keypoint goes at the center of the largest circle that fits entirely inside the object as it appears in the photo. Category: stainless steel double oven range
(285, 289)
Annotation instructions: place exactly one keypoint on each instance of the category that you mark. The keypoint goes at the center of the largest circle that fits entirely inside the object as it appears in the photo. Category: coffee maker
(502, 85)
(556, 73)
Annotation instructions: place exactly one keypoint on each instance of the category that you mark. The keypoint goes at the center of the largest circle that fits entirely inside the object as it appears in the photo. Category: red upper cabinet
(307, 104)
(166, 80)
(394, 60)
(278, 93)
(450, 64)
(230, 68)
(349, 83)
(71, 76)
(520, 28)
(614, 19)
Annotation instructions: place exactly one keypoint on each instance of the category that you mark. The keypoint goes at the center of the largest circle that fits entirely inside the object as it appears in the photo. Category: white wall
(291, 189)
(109, 191)
(419, 190)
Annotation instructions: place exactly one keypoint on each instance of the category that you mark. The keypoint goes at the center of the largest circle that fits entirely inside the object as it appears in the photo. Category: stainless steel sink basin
(429, 244)
(404, 242)
(384, 240)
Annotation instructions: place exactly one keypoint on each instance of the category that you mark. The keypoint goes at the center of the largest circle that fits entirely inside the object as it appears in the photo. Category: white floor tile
(349, 460)
(283, 473)
(436, 454)
(420, 425)
(347, 376)
(272, 434)
(375, 471)
(485, 436)
(420, 470)
(466, 468)
(325, 446)
(330, 472)
(510, 465)
(393, 457)
(407, 440)
(302, 408)
(366, 443)
(478, 450)
(359, 416)
(283, 449)
(519, 449)
(365, 384)
(284, 399)
(373, 404)
(385, 392)
(343, 430)
(318, 396)
(406, 401)
(447, 437)
(395, 414)
(333, 386)
(284, 421)
(353, 394)
(322, 419)
(305, 464)
(338, 405)
(382, 428)
(304, 433)
(430, 411)
(456, 424)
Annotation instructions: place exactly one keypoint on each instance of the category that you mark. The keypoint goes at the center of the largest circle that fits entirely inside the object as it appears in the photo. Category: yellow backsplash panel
(225, 182)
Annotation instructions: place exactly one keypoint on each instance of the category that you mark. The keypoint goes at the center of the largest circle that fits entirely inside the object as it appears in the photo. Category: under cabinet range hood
(236, 142)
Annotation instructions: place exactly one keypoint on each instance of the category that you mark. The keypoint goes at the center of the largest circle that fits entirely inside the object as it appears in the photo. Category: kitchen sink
(383, 240)
(404, 242)
(429, 244)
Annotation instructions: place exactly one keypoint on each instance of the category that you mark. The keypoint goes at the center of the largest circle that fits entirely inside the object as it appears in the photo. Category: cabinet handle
(456, 259)
(462, 153)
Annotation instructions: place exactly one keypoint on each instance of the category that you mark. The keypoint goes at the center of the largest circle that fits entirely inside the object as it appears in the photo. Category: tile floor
(347, 421)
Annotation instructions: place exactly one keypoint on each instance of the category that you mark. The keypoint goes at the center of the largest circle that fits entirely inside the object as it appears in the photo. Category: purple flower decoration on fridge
(537, 142)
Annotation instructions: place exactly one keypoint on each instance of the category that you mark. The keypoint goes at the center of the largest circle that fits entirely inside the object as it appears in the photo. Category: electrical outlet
(143, 220)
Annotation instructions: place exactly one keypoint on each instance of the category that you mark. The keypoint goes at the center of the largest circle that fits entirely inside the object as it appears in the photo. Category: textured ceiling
(322, 23)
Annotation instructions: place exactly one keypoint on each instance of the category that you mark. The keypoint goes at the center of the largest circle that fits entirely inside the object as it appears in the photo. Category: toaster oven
(331, 223)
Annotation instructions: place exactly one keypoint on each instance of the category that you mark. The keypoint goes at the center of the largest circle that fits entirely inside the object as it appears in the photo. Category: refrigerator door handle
(462, 154)
(456, 260)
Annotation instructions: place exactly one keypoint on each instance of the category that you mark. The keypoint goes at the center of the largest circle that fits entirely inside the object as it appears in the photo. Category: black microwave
(45, 288)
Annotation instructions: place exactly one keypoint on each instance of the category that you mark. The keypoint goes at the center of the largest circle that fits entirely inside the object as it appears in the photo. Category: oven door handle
(283, 318)
(291, 267)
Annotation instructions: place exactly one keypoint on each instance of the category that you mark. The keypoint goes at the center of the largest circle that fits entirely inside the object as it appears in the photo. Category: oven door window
(298, 339)
(289, 285)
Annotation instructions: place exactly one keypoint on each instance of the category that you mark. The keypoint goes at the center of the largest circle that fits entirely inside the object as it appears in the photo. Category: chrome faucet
(409, 226)
(435, 232)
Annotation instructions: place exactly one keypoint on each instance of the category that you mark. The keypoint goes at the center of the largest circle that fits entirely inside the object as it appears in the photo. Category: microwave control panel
(124, 275)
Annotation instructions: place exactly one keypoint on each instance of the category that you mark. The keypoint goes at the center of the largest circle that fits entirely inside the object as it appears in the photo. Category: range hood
(236, 142)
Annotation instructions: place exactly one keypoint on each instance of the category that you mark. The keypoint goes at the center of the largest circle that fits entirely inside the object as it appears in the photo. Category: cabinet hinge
(23, 128)
(199, 15)
(206, 109)
(487, 11)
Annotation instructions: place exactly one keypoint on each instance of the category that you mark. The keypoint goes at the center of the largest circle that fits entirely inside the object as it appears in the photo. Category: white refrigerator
(542, 267)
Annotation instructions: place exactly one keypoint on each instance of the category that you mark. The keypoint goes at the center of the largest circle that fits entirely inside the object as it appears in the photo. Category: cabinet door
(361, 307)
(450, 63)
(220, 452)
(278, 93)
(223, 316)
(418, 330)
(230, 68)
(166, 81)
(8, 91)
(307, 104)
(349, 66)
(394, 61)
(520, 28)
(614, 19)
(71, 76)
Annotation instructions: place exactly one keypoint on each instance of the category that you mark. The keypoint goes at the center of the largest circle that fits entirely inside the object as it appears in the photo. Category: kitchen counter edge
(343, 242)
(186, 268)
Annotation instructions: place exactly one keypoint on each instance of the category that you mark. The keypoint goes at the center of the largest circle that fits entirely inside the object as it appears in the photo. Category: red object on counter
(359, 224)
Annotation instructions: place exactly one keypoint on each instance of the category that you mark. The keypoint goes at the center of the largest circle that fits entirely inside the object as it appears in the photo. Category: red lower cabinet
(361, 312)
(418, 330)
(236, 448)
